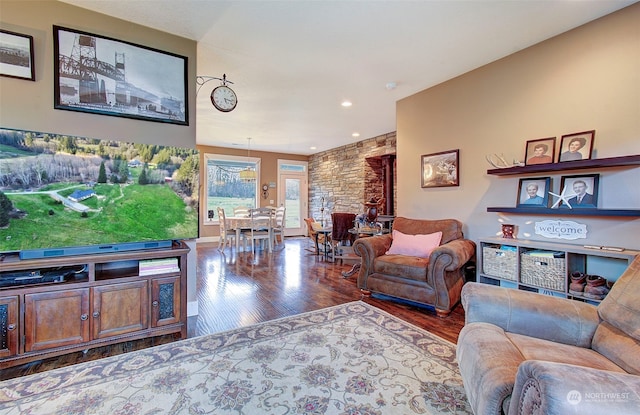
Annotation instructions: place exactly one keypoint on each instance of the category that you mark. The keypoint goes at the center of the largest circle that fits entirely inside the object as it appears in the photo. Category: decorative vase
(507, 231)
(371, 213)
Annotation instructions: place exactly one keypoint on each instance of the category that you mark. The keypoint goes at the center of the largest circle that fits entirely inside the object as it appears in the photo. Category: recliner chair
(435, 281)
(527, 353)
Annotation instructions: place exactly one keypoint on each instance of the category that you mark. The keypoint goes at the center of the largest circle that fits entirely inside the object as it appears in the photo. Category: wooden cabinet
(120, 308)
(165, 301)
(545, 267)
(8, 326)
(103, 299)
(56, 319)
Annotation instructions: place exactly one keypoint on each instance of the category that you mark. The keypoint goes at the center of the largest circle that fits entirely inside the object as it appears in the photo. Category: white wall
(588, 78)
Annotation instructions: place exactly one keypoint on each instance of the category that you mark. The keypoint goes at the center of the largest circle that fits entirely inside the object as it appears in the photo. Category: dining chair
(278, 225)
(227, 235)
(261, 225)
(241, 211)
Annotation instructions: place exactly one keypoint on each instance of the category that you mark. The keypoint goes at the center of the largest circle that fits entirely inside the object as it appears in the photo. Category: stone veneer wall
(346, 179)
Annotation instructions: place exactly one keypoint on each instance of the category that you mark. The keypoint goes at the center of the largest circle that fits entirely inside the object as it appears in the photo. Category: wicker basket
(543, 272)
(499, 263)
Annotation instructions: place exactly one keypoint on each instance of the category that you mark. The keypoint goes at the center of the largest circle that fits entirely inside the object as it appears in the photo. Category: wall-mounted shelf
(570, 165)
(567, 212)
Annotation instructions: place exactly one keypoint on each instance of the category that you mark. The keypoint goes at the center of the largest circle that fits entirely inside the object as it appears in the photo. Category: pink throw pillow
(414, 245)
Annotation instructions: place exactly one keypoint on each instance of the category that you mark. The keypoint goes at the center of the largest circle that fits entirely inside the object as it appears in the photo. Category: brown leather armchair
(435, 281)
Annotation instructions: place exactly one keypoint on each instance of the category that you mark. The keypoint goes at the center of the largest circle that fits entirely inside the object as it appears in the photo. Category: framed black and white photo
(540, 151)
(576, 146)
(534, 192)
(16, 55)
(441, 169)
(106, 76)
(580, 191)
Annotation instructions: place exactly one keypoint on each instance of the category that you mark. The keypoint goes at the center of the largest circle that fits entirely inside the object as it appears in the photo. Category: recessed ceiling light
(312, 148)
(346, 103)
(355, 135)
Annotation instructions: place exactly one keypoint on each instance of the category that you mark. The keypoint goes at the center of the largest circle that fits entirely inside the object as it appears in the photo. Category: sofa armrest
(552, 318)
(368, 249)
(558, 389)
(453, 255)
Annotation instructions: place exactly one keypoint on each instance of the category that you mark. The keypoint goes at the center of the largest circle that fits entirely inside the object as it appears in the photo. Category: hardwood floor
(238, 289)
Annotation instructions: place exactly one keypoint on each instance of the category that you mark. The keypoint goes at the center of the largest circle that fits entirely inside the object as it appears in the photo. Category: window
(225, 188)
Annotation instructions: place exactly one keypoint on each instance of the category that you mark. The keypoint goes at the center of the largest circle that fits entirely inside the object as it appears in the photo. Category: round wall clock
(223, 98)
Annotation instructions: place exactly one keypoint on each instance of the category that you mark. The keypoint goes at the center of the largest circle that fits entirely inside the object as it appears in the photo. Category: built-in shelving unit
(506, 262)
(595, 164)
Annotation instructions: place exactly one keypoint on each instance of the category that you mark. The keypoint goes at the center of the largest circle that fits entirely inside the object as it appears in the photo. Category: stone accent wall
(348, 176)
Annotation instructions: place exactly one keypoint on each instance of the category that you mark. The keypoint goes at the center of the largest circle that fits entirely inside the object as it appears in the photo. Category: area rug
(347, 360)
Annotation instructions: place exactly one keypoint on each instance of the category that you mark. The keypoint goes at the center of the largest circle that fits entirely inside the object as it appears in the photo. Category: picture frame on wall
(576, 146)
(534, 192)
(580, 191)
(16, 55)
(441, 169)
(101, 75)
(540, 151)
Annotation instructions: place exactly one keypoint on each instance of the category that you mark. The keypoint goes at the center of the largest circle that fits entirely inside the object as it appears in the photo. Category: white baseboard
(192, 308)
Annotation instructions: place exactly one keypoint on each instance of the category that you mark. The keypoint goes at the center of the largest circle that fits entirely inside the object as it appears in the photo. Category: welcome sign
(561, 229)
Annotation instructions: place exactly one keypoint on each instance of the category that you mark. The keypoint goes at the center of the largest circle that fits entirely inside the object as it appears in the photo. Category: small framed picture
(534, 192)
(579, 191)
(16, 59)
(441, 169)
(540, 151)
(576, 146)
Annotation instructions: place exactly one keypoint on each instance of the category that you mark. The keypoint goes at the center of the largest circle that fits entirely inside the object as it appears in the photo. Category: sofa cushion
(538, 349)
(621, 307)
(408, 267)
(414, 245)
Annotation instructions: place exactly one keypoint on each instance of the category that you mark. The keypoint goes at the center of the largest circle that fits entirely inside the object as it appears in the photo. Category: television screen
(61, 195)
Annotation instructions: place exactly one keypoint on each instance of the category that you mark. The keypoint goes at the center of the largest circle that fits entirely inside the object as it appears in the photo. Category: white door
(293, 194)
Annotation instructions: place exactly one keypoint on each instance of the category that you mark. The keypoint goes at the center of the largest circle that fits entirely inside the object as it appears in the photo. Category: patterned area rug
(349, 359)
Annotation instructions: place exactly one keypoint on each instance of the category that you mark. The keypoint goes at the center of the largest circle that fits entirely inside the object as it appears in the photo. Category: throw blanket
(342, 222)
(348, 359)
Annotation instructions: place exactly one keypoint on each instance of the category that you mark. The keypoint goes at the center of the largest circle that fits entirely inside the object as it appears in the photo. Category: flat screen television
(63, 195)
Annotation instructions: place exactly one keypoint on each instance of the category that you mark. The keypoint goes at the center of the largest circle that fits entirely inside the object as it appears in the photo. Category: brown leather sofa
(435, 281)
(526, 353)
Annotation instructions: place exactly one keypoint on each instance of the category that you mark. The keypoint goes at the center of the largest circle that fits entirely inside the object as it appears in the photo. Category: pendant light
(248, 174)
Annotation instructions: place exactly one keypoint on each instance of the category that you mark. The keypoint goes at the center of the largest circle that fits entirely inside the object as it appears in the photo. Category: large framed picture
(16, 55)
(441, 169)
(534, 192)
(540, 151)
(576, 146)
(100, 75)
(580, 191)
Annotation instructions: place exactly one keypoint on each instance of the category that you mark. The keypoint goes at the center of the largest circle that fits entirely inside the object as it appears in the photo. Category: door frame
(303, 176)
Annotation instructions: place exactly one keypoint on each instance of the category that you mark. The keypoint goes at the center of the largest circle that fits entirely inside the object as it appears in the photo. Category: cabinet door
(165, 301)
(120, 308)
(56, 319)
(8, 326)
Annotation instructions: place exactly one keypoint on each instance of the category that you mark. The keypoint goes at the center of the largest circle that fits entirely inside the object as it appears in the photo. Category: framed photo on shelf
(106, 76)
(17, 55)
(576, 146)
(540, 151)
(579, 191)
(534, 192)
(441, 169)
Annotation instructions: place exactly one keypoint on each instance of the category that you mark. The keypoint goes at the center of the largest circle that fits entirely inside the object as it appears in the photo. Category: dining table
(240, 223)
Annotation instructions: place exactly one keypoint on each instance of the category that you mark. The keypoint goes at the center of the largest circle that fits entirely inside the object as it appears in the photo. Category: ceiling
(292, 63)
